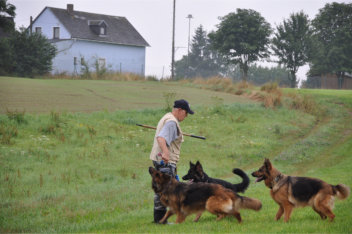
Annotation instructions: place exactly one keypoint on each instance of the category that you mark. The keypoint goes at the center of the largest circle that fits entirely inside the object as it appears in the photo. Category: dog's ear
(267, 164)
(199, 167)
(151, 170)
(191, 164)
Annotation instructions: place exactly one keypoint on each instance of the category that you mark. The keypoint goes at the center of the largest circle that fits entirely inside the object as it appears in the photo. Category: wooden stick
(185, 134)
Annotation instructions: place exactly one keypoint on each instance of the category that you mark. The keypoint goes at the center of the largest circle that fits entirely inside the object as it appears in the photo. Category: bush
(304, 103)
(31, 54)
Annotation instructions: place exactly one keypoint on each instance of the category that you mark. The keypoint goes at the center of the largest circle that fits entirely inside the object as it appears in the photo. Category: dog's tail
(342, 191)
(250, 203)
(241, 187)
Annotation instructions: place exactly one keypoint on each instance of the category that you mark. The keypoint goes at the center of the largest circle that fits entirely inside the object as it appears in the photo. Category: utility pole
(189, 17)
(173, 43)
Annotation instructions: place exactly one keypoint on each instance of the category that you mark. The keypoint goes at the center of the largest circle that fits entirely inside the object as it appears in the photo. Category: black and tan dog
(290, 192)
(196, 174)
(184, 199)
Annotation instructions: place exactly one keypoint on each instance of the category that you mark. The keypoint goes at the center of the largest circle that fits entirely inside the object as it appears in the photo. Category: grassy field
(43, 96)
(81, 165)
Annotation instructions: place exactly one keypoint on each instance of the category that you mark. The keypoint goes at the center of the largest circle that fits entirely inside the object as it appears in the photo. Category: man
(166, 148)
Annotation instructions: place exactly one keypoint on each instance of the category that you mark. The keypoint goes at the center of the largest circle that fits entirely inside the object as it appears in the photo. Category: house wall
(47, 21)
(118, 58)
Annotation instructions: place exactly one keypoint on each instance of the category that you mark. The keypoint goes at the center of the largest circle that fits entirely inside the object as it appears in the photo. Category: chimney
(70, 9)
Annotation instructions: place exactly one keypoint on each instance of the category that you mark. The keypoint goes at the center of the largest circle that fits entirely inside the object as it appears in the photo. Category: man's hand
(166, 157)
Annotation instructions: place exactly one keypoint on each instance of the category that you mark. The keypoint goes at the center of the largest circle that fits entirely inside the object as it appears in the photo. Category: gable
(47, 21)
(87, 26)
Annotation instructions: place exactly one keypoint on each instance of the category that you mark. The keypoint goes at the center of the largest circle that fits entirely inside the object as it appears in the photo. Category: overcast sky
(153, 19)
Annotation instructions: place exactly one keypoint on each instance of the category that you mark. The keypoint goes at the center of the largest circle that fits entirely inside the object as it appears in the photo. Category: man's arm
(165, 151)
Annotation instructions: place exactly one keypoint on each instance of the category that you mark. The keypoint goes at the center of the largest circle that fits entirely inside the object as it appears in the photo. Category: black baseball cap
(183, 104)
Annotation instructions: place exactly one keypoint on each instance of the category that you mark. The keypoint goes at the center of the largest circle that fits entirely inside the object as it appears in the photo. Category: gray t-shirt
(169, 132)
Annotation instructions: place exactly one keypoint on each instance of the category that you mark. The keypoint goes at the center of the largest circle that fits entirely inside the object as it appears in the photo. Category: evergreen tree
(202, 61)
(7, 13)
(25, 54)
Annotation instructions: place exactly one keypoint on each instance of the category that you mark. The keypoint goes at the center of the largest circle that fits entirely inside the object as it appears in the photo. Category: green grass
(88, 172)
(43, 96)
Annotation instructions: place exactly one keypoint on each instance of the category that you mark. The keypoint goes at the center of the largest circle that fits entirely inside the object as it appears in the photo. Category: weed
(54, 125)
(239, 92)
(277, 130)
(92, 132)
(169, 99)
(219, 107)
(7, 132)
(241, 119)
(100, 69)
(41, 180)
(272, 100)
(305, 103)
(17, 116)
(270, 87)
(85, 70)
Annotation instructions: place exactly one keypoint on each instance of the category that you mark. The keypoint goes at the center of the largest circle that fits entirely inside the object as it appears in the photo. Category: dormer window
(102, 31)
(98, 27)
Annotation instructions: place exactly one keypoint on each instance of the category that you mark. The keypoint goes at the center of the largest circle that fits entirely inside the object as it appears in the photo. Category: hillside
(43, 96)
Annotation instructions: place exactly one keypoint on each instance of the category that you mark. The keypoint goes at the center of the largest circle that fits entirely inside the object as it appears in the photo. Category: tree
(332, 51)
(291, 43)
(242, 38)
(202, 61)
(26, 54)
(260, 75)
(7, 13)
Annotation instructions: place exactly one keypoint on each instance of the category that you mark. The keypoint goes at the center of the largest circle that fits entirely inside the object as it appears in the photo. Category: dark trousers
(159, 209)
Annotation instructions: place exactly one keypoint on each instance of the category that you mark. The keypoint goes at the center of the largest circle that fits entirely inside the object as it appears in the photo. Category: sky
(153, 20)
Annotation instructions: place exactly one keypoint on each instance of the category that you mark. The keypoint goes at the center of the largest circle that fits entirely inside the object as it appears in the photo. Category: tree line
(241, 39)
(244, 37)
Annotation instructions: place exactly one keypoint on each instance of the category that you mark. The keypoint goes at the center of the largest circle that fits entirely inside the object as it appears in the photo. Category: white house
(87, 38)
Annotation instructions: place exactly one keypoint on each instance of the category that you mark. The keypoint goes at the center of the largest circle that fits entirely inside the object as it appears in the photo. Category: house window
(56, 33)
(75, 61)
(82, 61)
(101, 62)
(38, 29)
(102, 31)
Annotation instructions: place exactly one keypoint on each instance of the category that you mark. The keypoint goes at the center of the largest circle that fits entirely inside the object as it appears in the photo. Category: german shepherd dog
(184, 199)
(196, 174)
(290, 192)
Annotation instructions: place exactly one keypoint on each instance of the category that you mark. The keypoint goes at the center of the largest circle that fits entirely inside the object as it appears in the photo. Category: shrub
(270, 87)
(304, 103)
